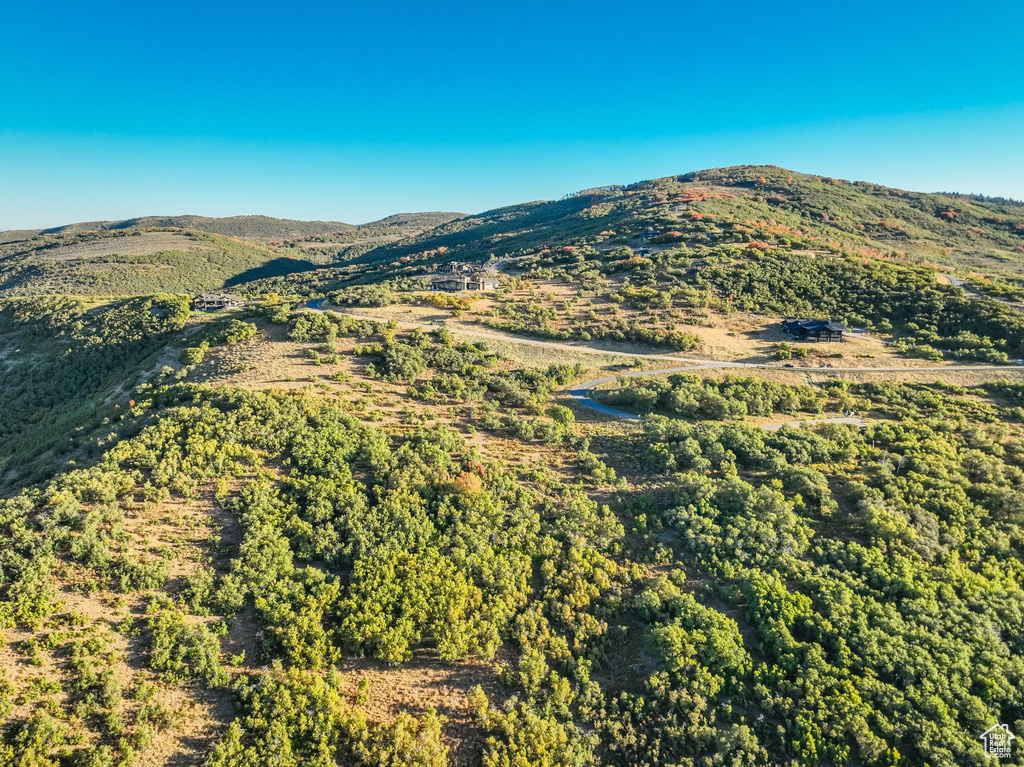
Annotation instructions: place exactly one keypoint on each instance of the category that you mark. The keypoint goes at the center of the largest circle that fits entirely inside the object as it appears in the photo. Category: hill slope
(246, 227)
(766, 202)
(136, 262)
(185, 253)
(661, 254)
(264, 228)
(355, 544)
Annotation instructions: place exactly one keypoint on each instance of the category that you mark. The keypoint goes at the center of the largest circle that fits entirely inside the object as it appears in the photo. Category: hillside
(606, 515)
(296, 532)
(136, 262)
(660, 262)
(764, 202)
(748, 206)
(245, 227)
(756, 206)
(185, 253)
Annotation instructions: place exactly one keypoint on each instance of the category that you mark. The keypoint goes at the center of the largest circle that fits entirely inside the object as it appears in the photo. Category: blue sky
(352, 111)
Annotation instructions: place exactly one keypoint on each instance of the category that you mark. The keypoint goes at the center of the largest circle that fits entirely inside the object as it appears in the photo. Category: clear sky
(351, 111)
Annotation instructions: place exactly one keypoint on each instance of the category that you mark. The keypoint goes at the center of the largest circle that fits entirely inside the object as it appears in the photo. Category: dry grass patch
(422, 683)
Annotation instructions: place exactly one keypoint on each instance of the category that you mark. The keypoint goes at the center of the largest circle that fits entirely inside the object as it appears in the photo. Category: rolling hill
(245, 227)
(771, 207)
(263, 228)
(184, 253)
(135, 262)
(767, 203)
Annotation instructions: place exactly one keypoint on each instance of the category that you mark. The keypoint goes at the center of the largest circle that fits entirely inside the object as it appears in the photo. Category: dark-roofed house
(214, 301)
(814, 330)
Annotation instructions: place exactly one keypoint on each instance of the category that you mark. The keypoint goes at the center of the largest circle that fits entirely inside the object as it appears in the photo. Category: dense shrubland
(819, 591)
(362, 546)
(713, 594)
(894, 298)
(220, 333)
(689, 396)
(62, 357)
(838, 596)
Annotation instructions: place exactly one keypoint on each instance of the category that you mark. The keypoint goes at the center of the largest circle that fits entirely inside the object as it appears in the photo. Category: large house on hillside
(457, 282)
(214, 301)
(814, 330)
(462, 267)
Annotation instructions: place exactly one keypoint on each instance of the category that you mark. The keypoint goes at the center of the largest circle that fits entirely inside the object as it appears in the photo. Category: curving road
(581, 392)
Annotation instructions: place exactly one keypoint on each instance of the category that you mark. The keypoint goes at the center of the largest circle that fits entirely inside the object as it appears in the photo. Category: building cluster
(814, 330)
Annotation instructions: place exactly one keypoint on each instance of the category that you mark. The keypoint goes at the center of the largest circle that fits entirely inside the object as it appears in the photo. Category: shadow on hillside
(278, 267)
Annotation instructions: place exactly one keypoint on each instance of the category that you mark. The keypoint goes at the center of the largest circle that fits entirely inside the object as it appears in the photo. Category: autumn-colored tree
(468, 483)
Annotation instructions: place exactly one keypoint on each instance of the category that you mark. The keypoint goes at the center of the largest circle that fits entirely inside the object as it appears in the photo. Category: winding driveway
(581, 392)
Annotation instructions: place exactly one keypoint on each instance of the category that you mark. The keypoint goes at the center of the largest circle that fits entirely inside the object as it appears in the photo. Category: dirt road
(581, 392)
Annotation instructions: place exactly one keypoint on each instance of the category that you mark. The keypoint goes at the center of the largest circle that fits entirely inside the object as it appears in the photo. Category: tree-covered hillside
(263, 228)
(748, 204)
(185, 253)
(756, 206)
(62, 359)
(214, 574)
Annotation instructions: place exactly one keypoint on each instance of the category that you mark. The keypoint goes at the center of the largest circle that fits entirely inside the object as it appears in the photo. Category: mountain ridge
(722, 209)
(249, 226)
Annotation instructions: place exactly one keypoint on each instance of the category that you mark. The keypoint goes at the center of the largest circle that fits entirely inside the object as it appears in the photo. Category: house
(651, 233)
(456, 283)
(643, 252)
(814, 330)
(214, 301)
(461, 267)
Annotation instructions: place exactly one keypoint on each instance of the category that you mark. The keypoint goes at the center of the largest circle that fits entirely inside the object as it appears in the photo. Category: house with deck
(462, 267)
(208, 302)
(826, 331)
(455, 283)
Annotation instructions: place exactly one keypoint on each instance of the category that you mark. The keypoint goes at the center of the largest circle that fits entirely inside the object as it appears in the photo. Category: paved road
(581, 392)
